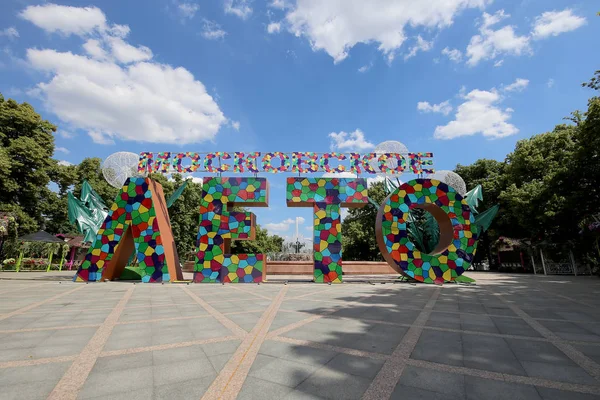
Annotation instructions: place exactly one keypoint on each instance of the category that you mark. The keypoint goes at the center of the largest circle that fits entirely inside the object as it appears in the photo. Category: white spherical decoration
(451, 178)
(119, 166)
(390, 146)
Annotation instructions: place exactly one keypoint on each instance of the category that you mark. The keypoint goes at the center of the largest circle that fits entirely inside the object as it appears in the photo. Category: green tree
(26, 149)
(358, 229)
(263, 243)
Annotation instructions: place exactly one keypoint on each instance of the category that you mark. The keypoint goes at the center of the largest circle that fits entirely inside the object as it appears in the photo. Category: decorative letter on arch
(457, 243)
(219, 225)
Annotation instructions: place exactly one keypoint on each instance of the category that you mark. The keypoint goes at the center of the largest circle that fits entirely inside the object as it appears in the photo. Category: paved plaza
(507, 337)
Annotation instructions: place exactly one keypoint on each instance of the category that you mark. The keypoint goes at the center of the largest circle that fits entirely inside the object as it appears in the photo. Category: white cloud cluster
(453, 54)
(212, 31)
(337, 26)
(66, 20)
(283, 226)
(10, 32)
(114, 89)
(239, 8)
(274, 27)
(420, 45)
(553, 23)
(62, 150)
(480, 113)
(365, 68)
(349, 141)
(517, 86)
(188, 10)
(492, 43)
(444, 107)
(64, 163)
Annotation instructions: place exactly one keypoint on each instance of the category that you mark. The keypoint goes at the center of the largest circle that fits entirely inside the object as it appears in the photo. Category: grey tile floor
(507, 337)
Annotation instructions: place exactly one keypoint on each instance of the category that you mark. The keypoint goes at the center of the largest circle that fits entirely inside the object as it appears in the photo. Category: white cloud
(62, 150)
(126, 53)
(284, 225)
(279, 4)
(337, 26)
(378, 178)
(235, 125)
(498, 63)
(479, 114)
(517, 86)
(115, 90)
(490, 43)
(10, 32)
(240, 8)
(420, 45)
(365, 68)
(553, 23)
(64, 163)
(188, 10)
(100, 138)
(65, 19)
(194, 179)
(94, 48)
(453, 54)
(212, 31)
(274, 27)
(444, 107)
(550, 83)
(66, 134)
(349, 141)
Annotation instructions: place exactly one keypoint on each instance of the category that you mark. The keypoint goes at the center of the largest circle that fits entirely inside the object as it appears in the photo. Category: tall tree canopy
(26, 150)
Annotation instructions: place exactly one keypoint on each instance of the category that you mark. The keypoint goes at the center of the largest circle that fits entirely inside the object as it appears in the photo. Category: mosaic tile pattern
(325, 162)
(208, 161)
(400, 163)
(178, 159)
(326, 196)
(133, 209)
(163, 162)
(309, 158)
(357, 164)
(242, 162)
(283, 159)
(401, 253)
(417, 162)
(145, 162)
(218, 227)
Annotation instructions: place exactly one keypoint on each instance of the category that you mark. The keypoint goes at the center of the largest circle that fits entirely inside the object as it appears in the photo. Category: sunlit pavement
(507, 337)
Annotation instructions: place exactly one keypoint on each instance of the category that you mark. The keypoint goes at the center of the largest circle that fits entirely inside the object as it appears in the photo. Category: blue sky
(464, 79)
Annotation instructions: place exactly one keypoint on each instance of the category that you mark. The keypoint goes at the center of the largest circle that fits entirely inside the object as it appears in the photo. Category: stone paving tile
(302, 354)
(289, 371)
(443, 384)
(280, 371)
(555, 394)
(479, 388)
(354, 334)
(332, 384)
(192, 389)
(256, 388)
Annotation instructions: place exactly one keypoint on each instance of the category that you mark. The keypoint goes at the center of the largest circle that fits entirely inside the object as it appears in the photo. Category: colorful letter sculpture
(457, 243)
(138, 220)
(219, 226)
(326, 196)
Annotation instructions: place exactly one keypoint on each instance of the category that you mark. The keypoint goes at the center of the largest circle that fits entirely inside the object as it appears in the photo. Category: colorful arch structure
(326, 196)
(219, 225)
(137, 221)
(458, 236)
